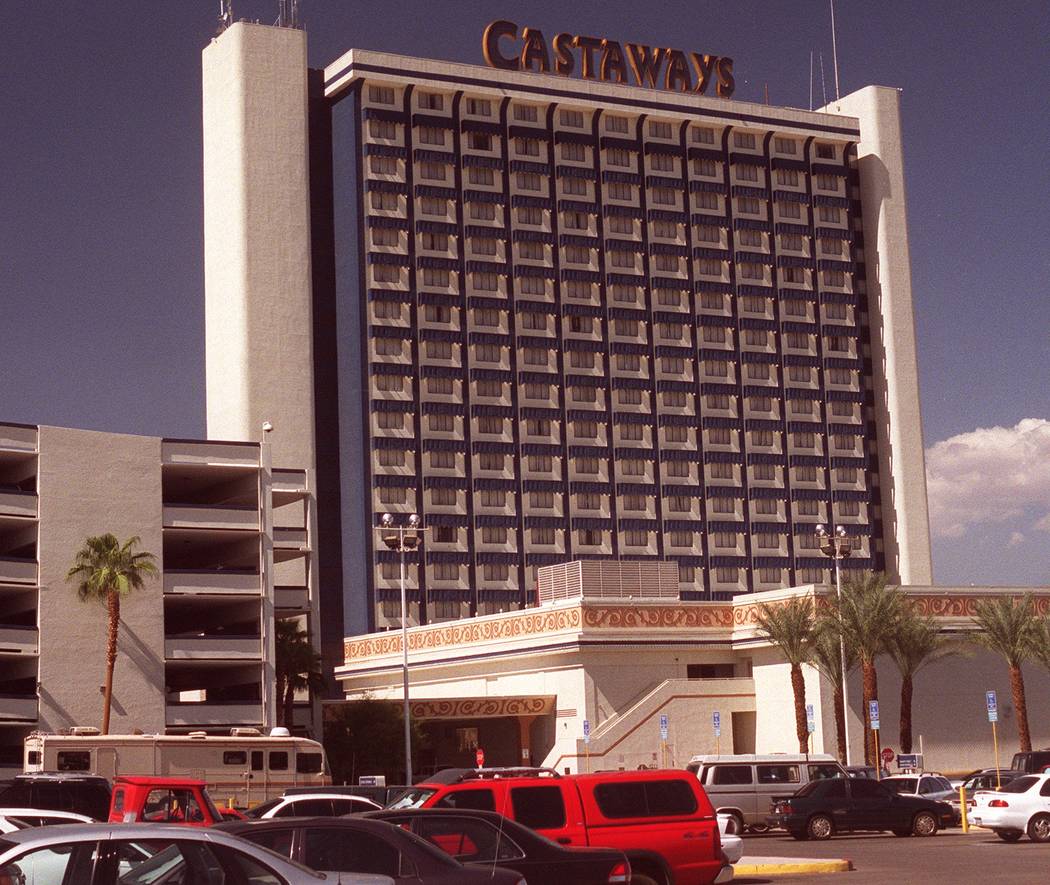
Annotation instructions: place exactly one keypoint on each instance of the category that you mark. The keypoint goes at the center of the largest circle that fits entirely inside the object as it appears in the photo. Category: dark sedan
(353, 845)
(487, 839)
(823, 808)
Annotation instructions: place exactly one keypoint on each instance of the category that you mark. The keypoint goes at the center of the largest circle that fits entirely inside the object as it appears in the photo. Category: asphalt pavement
(949, 857)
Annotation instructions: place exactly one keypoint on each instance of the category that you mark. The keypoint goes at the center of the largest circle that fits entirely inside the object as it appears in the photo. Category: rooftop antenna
(834, 51)
(811, 79)
(288, 14)
(225, 14)
(823, 87)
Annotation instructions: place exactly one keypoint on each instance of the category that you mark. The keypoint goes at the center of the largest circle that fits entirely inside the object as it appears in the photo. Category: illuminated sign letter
(564, 63)
(726, 83)
(646, 66)
(587, 46)
(703, 64)
(677, 77)
(490, 45)
(613, 66)
(534, 50)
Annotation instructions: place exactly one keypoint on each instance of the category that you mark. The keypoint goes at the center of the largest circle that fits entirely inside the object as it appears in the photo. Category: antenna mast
(834, 51)
(811, 79)
(225, 14)
(288, 14)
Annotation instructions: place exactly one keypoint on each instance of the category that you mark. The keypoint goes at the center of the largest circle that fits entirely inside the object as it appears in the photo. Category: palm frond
(1007, 627)
(789, 626)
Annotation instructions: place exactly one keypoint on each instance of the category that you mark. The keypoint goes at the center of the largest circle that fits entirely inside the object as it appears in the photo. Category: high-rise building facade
(565, 319)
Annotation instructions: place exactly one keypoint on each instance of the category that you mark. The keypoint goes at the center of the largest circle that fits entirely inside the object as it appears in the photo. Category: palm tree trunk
(113, 609)
(278, 693)
(1021, 706)
(840, 721)
(906, 693)
(871, 693)
(289, 704)
(798, 686)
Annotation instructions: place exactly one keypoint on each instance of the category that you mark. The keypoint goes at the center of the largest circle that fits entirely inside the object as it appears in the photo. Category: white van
(744, 786)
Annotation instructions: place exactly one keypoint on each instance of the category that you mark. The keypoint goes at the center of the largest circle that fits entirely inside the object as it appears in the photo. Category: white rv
(246, 767)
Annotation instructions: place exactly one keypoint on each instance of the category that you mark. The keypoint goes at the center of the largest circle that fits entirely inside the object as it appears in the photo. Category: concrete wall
(93, 483)
(902, 463)
(257, 267)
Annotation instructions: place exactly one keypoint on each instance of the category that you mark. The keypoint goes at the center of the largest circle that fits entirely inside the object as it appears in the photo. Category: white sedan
(1021, 806)
(732, 844)
(312, 805)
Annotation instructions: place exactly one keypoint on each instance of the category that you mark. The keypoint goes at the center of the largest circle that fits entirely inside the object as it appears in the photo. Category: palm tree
(1010, 628)
(917, 643)
(866, 620)
(789, 626)
(297, 665)
(106, 570)
(825, 655)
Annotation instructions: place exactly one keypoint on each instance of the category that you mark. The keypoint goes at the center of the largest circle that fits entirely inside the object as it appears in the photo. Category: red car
(175, 800)
(661, 820)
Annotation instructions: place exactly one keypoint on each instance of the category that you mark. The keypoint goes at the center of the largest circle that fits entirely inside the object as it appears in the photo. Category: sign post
(992, 703)
(587, 745)
(663, 740)
(873, 717)
(811, 726)
(716, 721)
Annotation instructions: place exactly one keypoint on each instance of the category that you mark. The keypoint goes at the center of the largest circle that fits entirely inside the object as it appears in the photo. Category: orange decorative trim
(663, 617)
(944, 606)
(481, 708)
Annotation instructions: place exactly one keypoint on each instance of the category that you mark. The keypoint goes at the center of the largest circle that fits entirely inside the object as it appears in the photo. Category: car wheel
(801, 835)
(924, 824)
(820, 827)
(902, 833)
(738, 822)
(1039, 828)
(1009, 835)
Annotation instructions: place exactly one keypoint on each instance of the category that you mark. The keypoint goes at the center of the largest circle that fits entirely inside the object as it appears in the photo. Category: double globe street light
(838, 546)
(404, 539)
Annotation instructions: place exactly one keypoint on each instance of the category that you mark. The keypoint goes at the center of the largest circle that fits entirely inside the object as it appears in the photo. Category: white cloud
(990, 475)
(1016, 538)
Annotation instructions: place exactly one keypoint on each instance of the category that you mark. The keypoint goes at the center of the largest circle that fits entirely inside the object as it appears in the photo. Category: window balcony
(189, 516)
(212, 581)
(17, 503)
(18, 640)
(18, 708)
(213, 647)
(17, 570)
(213, 715)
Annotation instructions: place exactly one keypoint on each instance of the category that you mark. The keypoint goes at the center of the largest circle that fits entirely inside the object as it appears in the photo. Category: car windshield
(1020, 785)
(262, 808)
(413, 798)
(900, 784)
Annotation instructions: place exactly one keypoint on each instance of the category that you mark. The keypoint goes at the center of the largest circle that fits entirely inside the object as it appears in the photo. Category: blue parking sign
(586, 731)
(663, 726)
(993, 706)
(873, 714)
(716, 721)
(810, 719)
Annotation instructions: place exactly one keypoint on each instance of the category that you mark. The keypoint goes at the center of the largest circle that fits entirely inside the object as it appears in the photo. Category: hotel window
(630, 396)
(485, 316)
(435, 242)
(718, 401)
(792, 307)
(765, 506)
(725, 540)
(785, 146)
(672, 365)
(480, 175)
(529, 215)
(679, 503)
(588, 501)
(806, 473)
(482, 211)
(843, 442)
(446, 571)
(668, 297)
(433, 206)
(794, 275)
(575, 220)
(681, 539)
(539, 463)
(538, 427)
(846, 474)
(571, 118)
(589, 538)
(753, 304)
(664, 196)
(531, 250)
(831, 246)
(762, 438)
(483, 245)
(768, 541)
(633, 503)
(632, 467)
(838, 343)
(848, 508)
(668, 263)
(749, 237)
(388, 346)
(479, 107)
(526, 113)
(799, 373)
(535, 356)
(765, 472)
(789, 210)
(756, 337)
(484, 282)
(787, 177)
(392, 495)
(722, 505)
(580, 290)
(660, 129)
(532, 286)
(527, 147)
(621, 191)
(703, 135)
(758, 371)
(705, 168)
(534, 321)
(792, 243)
(494, 535)
(797, 340)
(434, 276)
(744, 140)
(807, 507)
(390, 383)
(662, 162)
(716, 368)
(441, 423)
(636, 538)
(580, 325)
(431, 101)
(391, 458)
(527, 181)
(827, 182)
(542, 536)
(479, 141)
(382, 165)
(616, 124)
(666, 230)
(538, 391)
(577, 255)
(835, 311)
(491, 461)
(705, 200)
(632, 432)
(381, 94)
(748, 206)
(706, 233)
(431, 171)
(586, 465)
(825, 151)
(620, 224)
(431, 135)
(437, 313)
(676, 433)
(493, 571)
(629, 362)
(677, 469)
(617, 157)
(382, 129)
(584, 395)
(444, 460)
(383, 200)
(830, 214)
(443, 497)
(746, 172)
(806, 541)
(491, 424)
(810, 575)
(833, 278)
(385, 236)
(581, 359)
(487, 353)
(585, 429)
(840, 376)
(760, 403)
(386, 310)
(671, 331)
(674, 399)
(541, 500)
(769, 575)
(710, 267)
(626, 329)
(573, 186)
(439, 386)
(802, 407)
(722, 469)
(804, 440)
(493, 497)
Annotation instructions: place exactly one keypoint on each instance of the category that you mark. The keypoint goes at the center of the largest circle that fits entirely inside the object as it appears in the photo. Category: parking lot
(948, 857)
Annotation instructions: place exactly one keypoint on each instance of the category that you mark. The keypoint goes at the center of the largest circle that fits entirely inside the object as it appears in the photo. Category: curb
(790, 868)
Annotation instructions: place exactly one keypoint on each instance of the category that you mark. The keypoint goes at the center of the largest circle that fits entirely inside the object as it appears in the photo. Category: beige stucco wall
(257, 274)
(92, 483)
(902, 463)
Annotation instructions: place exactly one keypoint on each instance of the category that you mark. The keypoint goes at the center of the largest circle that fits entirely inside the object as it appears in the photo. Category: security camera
(267, 427)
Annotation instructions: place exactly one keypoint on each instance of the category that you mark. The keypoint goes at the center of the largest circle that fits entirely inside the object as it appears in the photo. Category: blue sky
(101, 277)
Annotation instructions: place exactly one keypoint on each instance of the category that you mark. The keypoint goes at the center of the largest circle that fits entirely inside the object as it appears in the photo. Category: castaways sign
(607, 60)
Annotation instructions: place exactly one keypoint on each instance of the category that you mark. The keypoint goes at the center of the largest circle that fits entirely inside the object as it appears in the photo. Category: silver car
(925, 786)
(157, 854)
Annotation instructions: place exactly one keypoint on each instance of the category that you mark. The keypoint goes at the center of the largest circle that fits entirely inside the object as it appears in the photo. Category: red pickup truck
(661, 820)
(173, 800)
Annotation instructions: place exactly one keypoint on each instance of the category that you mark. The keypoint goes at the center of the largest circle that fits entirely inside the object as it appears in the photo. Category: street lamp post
(403, 539)
(838, 546)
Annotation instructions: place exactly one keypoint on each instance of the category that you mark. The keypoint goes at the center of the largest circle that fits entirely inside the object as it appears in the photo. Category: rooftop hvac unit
(84, 731)
(245, 733)
(609, 579)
